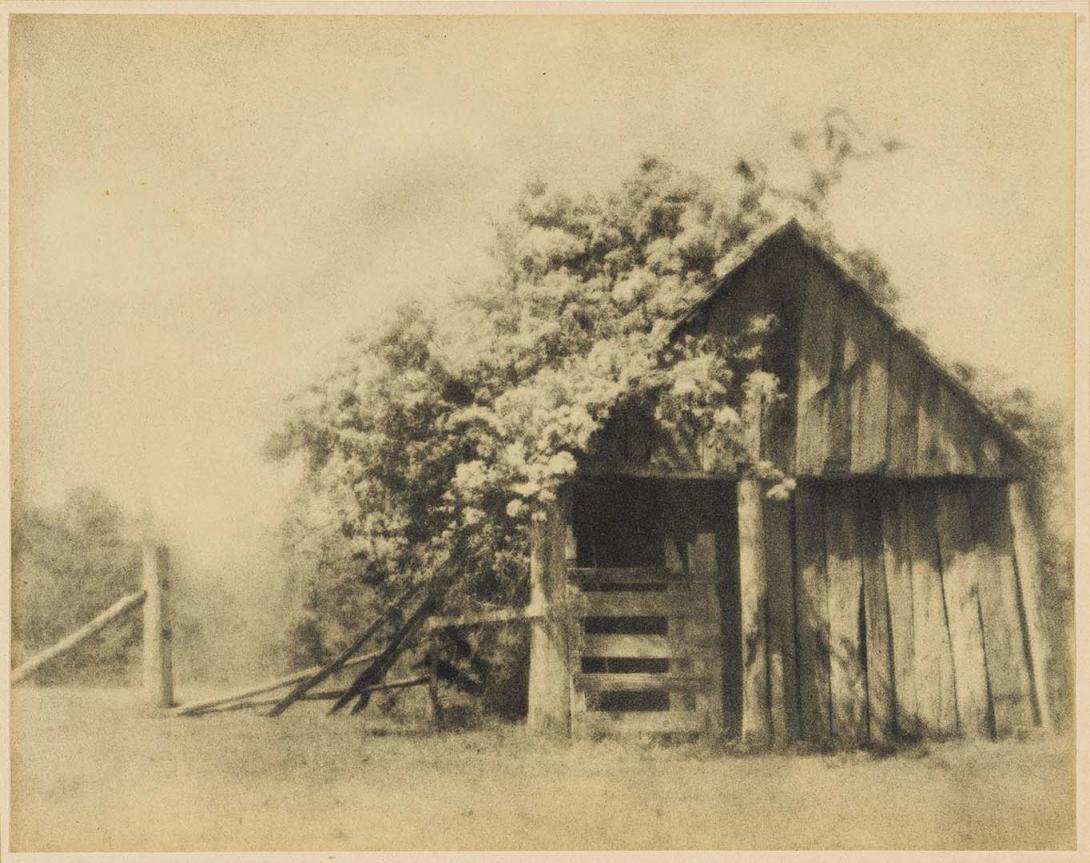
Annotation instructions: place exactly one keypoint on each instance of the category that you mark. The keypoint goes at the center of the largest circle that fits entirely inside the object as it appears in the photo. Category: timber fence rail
(154, 597)
(157, 662)
(95, 625)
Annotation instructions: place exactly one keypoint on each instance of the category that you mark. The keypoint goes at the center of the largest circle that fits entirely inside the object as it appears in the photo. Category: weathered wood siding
(812, 615)
(858, 610)
(871, 401)
(768, 285)
(906, 612)
(896, 593)
(780, 566)
(653, 643)
(863, 395)
(936, 703)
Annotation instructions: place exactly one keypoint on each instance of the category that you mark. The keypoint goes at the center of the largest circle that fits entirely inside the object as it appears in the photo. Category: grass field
(92, 771)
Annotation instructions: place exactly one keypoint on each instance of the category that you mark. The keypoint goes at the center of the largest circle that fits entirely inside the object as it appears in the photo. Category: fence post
(158, 671)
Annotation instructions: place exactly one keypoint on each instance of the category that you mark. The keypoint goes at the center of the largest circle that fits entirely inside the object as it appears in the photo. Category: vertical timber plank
(936, 701)
(780, 569)
(703, 568)
(753, 599)
(1027, 557)
(816, 349)
(869, 390)
(730, 631)
(965, 433)
(839, 398)
(903, 407)
(956, 434)
(960, 578)
(898, 566)
(930, 456)
(846, 678)
(880, 703)
(812, 615)
(1004, 647)
(989, 456)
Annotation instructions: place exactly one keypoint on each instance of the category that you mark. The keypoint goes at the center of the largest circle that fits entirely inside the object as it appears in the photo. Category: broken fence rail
(343, 658)
(36, 663)
(217, 701)
(306, 679)
(248, 702)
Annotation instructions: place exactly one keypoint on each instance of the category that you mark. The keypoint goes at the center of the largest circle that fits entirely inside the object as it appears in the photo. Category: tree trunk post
(753, 596)
(158, 671)
(549, 708)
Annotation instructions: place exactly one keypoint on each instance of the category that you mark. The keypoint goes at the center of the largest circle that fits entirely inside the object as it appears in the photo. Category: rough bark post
(549, 698)
(1027, 558)
(753, 587)
(158, 672)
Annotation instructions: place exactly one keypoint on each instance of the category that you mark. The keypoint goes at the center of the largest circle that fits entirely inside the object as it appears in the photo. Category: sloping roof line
(767, 239)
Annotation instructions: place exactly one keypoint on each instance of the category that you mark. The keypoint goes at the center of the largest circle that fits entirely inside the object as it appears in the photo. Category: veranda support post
(158, 670)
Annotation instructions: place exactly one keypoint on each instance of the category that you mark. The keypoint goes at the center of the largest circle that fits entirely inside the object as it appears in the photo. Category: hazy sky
(202, 207)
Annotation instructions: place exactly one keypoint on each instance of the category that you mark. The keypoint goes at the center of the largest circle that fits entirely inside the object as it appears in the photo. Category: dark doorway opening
(682, 531)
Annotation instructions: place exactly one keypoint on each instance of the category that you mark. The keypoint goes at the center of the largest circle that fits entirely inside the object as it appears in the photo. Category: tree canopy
(446, 427)
(69, 563)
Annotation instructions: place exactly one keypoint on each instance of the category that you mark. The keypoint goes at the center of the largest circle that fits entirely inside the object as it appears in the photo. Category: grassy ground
(93, 772)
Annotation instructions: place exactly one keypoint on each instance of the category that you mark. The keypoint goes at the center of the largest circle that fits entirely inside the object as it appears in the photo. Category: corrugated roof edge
(769, 237)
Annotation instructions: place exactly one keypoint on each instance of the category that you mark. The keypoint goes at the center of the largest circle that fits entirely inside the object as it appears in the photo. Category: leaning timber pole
(158, 671)
(118, 609)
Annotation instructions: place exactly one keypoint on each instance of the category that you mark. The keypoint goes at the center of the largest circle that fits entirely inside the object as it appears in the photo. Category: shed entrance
(654, 567)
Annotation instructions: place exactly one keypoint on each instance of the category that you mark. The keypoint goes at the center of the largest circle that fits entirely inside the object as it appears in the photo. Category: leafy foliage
(443, 429)
(423, 440)
(68, 564)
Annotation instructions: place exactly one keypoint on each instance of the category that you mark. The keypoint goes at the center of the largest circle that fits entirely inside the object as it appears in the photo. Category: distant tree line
(69, 563)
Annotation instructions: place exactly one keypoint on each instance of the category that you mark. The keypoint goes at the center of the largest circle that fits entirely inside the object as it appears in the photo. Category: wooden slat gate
(647, 652)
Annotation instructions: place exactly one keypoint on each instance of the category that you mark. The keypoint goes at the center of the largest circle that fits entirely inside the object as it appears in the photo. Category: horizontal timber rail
(607, 682)
(271, 686)
(638, 604)
(123, 605)
(324, 695)
(502, 615)
(625, 573)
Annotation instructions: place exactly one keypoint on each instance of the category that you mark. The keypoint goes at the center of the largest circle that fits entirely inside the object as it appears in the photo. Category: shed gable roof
(883, 405)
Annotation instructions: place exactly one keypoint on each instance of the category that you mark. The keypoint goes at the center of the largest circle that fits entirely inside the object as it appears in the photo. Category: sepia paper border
(330, 7)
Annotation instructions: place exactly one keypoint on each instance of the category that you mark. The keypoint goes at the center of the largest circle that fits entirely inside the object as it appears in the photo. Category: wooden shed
(894, 594)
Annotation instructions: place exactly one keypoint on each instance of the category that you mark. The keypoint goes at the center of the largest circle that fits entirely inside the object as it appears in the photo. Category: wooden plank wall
(869, 401)
(906, 615)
